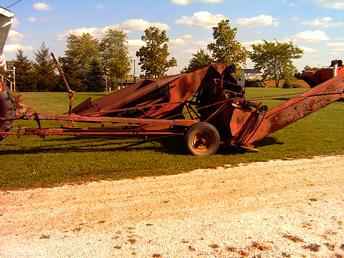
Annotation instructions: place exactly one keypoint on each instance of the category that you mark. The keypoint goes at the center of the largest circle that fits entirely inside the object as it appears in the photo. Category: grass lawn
(30, 162)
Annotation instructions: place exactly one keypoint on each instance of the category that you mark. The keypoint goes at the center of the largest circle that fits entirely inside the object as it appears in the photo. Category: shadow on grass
(93, 145)
(268, 141)
(282, 98)
(80, 149)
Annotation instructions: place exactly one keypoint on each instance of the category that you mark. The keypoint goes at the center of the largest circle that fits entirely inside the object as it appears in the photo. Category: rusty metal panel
(297, 108)
(149, 94)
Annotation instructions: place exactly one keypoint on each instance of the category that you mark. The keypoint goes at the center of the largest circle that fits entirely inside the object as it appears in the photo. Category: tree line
(90, 63)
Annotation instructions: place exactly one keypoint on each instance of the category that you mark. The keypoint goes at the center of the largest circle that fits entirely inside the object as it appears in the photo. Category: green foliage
(275, 59)
(115, 55)
(226, 48)
(80, 53)
(25, 78)
(199, 60)
(44, 70)
(95, 77)
(154, 55)
(85, 62)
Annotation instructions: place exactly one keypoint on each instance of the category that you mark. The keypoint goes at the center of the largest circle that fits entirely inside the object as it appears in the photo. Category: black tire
(7, 110)
(203, 139)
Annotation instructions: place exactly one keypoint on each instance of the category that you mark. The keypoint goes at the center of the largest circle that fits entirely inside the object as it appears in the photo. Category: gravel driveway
(275, 209)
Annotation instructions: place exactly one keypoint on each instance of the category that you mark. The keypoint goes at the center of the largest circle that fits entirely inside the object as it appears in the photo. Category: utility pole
(106, 83)
(134, 75)
(133, 62)
(106, 77)
(14, 79)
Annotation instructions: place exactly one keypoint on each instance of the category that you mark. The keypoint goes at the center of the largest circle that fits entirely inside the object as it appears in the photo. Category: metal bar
(218, 111)
(87, 119)
(65, 132)
(59, 68)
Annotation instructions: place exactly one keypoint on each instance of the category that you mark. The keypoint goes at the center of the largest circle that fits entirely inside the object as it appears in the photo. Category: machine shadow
(83, 149)
(269, 141)
(100, 145)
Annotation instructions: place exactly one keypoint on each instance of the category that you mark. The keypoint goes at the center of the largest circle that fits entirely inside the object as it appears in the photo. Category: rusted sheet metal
(45, 132)
(295, 109)
(160, 98)
(116, 120)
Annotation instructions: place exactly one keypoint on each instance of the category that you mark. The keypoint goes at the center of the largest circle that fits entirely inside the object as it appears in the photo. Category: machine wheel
(7, 110)
(203, 139)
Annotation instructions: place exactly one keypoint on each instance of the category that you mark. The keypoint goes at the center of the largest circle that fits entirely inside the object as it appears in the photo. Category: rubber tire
(213, 139)
(7, 110)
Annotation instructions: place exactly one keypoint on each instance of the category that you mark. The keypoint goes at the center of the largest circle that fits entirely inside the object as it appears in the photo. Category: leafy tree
(44, 70)
(95, 78)
(80, 53)
(275, 59)
(115, 55)
(154, 55)
(199, 60)
(225, 48)
(25, 78)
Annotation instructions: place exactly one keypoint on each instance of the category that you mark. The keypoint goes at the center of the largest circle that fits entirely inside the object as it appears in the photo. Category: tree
(95, 78)
(115, 55)
(24, 72)
(80, 53)
(275, 59)
(44, 70)
(225, 48)
(154, 55)
(199, 60)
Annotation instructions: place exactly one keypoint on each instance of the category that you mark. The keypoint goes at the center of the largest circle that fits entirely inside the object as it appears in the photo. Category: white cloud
(135, 43)
(258, 21)
(333, 4)
(311, 36)
(181, 41)
(13, 48)
(308, 50)
(336, 47)
(15, 22)
(336, 44)
(141, 25)
(188, 2)
(94, 31)
(248, 44)
(130, 25)
(323, 22)
(182, 2)
(202, 19)
(41, 6)
(15, 36)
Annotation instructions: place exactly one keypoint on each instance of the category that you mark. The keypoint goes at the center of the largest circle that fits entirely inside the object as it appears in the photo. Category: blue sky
(315, 25)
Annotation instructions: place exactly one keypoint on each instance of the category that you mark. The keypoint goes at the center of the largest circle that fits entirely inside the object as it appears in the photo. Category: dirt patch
(273, 209)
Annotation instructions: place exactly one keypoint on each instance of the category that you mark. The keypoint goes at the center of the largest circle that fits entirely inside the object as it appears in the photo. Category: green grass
(30, 162)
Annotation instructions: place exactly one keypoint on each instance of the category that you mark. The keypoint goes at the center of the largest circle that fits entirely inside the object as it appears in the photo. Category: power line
(13, 4)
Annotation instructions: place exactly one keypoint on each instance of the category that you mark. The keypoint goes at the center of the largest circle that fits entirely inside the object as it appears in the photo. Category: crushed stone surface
(292, 208)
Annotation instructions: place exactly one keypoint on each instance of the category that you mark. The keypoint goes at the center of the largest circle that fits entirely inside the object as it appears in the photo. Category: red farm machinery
(200, 110)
